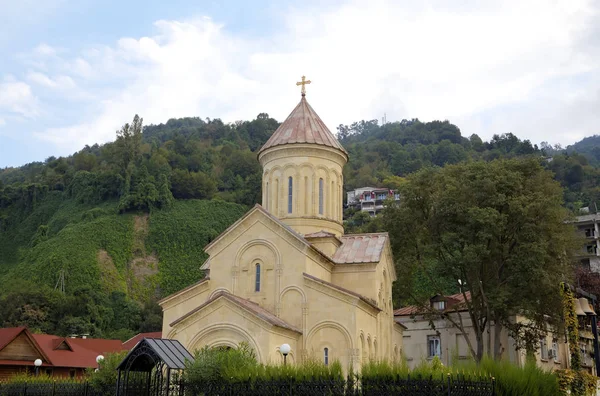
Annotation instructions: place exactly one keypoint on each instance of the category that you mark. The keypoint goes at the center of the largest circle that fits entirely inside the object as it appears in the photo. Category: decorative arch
(263, 242)
(217, 290)
(224, 336)
(329, 324)
(361, 338)
(296, 288)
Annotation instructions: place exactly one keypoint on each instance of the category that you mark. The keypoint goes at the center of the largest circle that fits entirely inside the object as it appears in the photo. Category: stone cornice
(289, 151)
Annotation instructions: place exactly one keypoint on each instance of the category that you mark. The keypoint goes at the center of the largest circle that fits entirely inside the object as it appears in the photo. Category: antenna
(60, 283)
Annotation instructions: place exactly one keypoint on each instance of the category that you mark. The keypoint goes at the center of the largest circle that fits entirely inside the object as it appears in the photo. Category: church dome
(303, 125)
(302, 173)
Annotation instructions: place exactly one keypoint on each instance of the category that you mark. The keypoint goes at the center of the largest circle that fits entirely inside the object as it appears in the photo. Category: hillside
(121, 225)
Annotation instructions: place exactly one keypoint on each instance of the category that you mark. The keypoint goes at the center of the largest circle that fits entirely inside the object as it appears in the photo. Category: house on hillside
(59, 356)
(370, 199)
(429, 333)
(588, 226)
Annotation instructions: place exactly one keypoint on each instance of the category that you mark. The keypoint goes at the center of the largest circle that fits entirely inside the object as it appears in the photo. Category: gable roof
(360, 248)
(82, 352)
(130, 343)
(367, 300)
(171, 352)
(259, 208)
(247, 305)
(303, 125)
(8, 335)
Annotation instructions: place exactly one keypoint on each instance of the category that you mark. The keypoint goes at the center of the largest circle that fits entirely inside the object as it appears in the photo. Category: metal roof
(303, 125)
(171, 352)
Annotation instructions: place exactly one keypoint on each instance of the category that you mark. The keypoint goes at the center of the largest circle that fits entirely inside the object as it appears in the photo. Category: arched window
(267, 196)
(290, 193)
(257, 279)
(326, 356)
(306, 196)
(320, 196)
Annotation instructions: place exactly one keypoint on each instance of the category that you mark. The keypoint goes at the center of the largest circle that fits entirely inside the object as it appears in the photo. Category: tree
(499, 228)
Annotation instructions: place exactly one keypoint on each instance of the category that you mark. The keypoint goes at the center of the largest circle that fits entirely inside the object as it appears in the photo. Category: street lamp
(285, 349)
(37, 363)
(99, 358)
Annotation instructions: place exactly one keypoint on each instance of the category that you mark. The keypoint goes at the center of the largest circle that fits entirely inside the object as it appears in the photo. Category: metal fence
(49, 389)
(444, 386)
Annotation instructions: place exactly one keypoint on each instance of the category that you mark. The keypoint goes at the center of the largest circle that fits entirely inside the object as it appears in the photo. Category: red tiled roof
(84, 350)
(367, 300)
(82, 355)
(303, 125)
(130, 343)
(248, 305)
(8, 334)
(360, 248)
(453, 300)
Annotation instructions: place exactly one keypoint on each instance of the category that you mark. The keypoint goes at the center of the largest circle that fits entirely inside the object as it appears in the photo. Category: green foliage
(105, 378)
(497, 226)
(179, 236)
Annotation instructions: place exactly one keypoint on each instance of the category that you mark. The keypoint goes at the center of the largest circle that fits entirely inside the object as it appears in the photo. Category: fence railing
(393, 386)
(49, 389)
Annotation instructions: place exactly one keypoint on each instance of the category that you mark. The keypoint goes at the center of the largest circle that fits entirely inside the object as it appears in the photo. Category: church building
(286, 273)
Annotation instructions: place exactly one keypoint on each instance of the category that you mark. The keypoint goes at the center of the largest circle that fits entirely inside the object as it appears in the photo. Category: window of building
(555, 350)
(267, 196)
(381, 196)
(397, 197)
(368, 197)
(434, 346)
(326, 356)
(590, 232)
(290, 193)
(439, 305)
(585, 263)
(543, 348)
(320, 196)
(591, 249)
(257, 278)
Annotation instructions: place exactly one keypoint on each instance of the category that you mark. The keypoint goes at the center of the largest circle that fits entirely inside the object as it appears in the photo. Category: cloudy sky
(73, 71)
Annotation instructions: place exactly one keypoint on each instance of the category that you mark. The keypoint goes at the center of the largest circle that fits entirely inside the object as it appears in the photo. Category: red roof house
(60, 356)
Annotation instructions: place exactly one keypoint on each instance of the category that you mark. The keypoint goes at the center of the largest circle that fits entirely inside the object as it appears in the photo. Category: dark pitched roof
(248, 305)
(171, 352)
(360, 248)
(367, 300)
(303, 125)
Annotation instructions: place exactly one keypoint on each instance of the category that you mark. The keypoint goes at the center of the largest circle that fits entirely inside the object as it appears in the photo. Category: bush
(104, 379)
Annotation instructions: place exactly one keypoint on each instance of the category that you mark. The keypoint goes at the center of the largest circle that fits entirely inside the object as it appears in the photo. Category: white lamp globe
(285, 349)
(37, 362)
(99, 358)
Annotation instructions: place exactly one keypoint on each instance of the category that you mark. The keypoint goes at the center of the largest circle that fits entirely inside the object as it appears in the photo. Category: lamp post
(37, 363)
(99, 359)
(285, 349)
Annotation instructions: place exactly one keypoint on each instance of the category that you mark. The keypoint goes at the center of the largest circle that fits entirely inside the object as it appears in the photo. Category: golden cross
(303, 83)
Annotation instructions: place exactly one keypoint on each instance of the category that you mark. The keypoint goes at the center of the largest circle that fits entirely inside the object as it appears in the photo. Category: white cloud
(16, 97)
(60, 82)
(518, 67)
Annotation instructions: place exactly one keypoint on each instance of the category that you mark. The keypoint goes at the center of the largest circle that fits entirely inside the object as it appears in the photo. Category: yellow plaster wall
(305, 164)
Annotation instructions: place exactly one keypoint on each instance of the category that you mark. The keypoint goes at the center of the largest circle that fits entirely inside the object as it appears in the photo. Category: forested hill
(113, 228)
